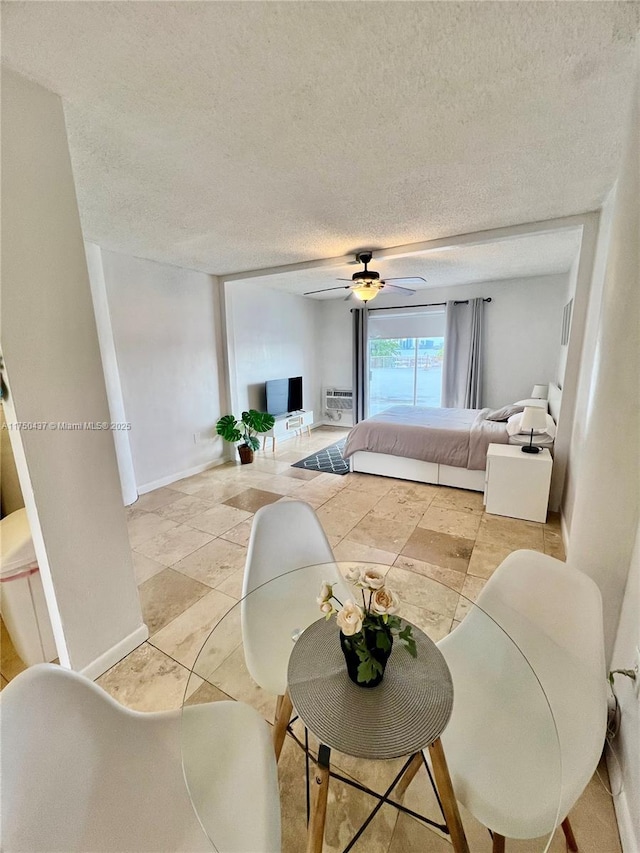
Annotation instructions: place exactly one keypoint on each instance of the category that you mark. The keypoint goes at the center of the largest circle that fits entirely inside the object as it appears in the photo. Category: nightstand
(516, 483)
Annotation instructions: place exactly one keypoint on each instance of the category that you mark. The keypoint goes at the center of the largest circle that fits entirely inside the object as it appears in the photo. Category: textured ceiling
(517, 257)
(229, 136)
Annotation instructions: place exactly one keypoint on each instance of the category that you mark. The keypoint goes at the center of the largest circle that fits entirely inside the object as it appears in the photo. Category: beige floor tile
(486, 558)
(239, 534)
(144, 567)
(500, 530)
(338, 522)
(379, 531)
(300, 474)
(449, 577)
(411, 834)
(132, 512)
(146, 680)
(183, 638)
(423, 493)
(3, 682)
(553, 544)
(455, 522)
(347, 550)
(422, 592)
(219, 519)
(184, 508)
(206, 693)
(470, 591)
(232, 677)
(217, 491)
(369, 483)
(439, 549)
(189, 485)
(233, 584)
(352, 501)
(219, 645)
(152, 501)
(174, 545)
(145, 526)
(282, 485)
(251, 500)
(460, 499)
(315, 498)
(214, 562)
(11, 664)
(404, 503)
(167, 595)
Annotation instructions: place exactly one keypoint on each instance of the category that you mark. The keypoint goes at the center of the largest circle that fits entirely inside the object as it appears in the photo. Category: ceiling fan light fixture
(366, 292)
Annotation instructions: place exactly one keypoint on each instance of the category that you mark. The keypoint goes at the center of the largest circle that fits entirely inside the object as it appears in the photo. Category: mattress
(455, 437)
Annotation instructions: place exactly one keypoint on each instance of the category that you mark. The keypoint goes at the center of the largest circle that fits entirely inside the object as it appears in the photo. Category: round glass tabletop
(470, 691)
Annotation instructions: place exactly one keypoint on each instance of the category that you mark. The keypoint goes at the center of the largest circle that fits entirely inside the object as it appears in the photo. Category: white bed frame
(403, 468)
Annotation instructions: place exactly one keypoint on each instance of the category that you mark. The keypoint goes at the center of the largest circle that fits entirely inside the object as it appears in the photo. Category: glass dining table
(352, 739)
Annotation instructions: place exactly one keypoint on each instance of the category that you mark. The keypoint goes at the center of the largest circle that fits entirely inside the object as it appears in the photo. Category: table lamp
(540, 392)
(533, 417)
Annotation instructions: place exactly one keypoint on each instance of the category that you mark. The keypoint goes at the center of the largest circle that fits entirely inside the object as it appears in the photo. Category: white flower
(327, 608)
(384, 601)
(326, 592)
(350, 618)
(353, 575)
(371, 579)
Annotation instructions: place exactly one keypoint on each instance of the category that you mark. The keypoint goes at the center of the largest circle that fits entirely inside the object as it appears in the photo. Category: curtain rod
(426, 305)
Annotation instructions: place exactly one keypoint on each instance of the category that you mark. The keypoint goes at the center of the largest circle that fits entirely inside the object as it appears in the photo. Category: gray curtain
(360, 364)
(462, 366)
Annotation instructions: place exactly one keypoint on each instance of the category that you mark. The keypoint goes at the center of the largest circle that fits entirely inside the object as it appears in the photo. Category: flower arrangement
(367, 631)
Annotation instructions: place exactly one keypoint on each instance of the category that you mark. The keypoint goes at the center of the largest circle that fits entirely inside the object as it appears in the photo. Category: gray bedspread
(457, 437)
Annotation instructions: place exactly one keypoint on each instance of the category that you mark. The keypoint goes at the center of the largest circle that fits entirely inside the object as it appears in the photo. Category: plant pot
(246, 454)
(353, 661)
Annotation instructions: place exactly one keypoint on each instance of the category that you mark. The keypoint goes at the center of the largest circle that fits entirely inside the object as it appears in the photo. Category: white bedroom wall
(167, 335)
(602, 499)
(271, 335)
(522, 333)
(69, 478)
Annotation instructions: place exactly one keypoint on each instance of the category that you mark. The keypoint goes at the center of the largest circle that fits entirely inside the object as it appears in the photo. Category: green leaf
(227, 427)
(258, 421)
(368, 669)
(252, 441)
(383, 641)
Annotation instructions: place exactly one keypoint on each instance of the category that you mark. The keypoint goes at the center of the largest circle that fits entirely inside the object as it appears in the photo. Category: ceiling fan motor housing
(366, 275)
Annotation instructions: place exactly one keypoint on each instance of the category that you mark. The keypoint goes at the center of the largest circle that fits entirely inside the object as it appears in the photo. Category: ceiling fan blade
(416, 279)
(348, 297)
(393, 288)
(326, 289)
(350, 280)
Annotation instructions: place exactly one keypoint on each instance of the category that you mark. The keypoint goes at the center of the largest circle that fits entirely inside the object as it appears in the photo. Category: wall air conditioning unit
(338, 404)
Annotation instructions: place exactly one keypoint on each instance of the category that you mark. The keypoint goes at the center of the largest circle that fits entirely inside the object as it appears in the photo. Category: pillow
(533, 401)
(504, 413)
(513, 427)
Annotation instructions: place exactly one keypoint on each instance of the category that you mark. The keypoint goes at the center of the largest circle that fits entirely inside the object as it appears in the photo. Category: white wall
(522, 333)
(271, 335)
(166, 330)
(69, 479)
(602, 502)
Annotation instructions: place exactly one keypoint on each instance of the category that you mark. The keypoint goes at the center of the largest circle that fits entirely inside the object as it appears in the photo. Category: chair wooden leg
(572, 844)
(498, 843)
(401, 788)
(448, 798)
(315, 832)
(284, 708)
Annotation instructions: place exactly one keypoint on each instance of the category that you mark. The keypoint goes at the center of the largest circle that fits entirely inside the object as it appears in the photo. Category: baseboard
(111, 657)
(180, 475)
(629, 833)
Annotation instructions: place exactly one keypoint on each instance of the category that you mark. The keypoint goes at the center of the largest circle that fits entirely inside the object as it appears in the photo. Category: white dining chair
(82, 773)
(529, 716)
(285, 536)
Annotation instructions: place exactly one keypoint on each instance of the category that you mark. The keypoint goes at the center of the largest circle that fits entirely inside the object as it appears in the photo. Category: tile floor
(189, 545)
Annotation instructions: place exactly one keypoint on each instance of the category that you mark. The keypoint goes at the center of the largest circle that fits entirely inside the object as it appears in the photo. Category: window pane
(391, 373)
(429, 371)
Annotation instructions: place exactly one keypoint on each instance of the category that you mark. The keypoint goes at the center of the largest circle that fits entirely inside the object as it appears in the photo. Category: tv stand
(287, 426)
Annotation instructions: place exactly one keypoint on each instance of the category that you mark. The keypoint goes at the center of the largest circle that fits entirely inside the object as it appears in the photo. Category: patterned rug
(329, 460)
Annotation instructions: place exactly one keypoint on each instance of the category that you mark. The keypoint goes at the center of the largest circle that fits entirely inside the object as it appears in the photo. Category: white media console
(287, 426)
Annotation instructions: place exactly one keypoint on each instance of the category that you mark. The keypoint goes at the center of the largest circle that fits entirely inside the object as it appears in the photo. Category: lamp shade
(540, 392)
(534, 418)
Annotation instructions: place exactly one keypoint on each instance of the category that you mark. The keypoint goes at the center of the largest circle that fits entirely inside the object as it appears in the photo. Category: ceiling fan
(366, 284)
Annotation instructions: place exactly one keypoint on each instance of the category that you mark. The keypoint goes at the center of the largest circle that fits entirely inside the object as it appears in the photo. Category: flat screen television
(284, 395)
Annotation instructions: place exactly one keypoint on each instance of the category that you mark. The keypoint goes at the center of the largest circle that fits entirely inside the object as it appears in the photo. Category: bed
(446, 447)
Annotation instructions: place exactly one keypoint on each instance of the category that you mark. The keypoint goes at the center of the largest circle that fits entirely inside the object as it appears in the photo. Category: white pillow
(534, 401)
(513, 427)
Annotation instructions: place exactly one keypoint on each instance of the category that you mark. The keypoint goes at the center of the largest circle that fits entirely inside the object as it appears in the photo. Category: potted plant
(367, 632)
(244, 431)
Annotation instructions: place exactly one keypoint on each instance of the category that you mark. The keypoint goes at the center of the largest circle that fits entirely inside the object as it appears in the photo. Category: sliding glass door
(406, 348)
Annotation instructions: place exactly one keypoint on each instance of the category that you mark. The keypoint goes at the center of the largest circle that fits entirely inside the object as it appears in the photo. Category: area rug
(329, 460)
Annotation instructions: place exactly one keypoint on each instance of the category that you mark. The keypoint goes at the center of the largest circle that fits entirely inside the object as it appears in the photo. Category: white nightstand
(516, 483)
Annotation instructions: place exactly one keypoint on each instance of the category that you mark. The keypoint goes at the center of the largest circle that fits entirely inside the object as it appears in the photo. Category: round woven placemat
(403, 714)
